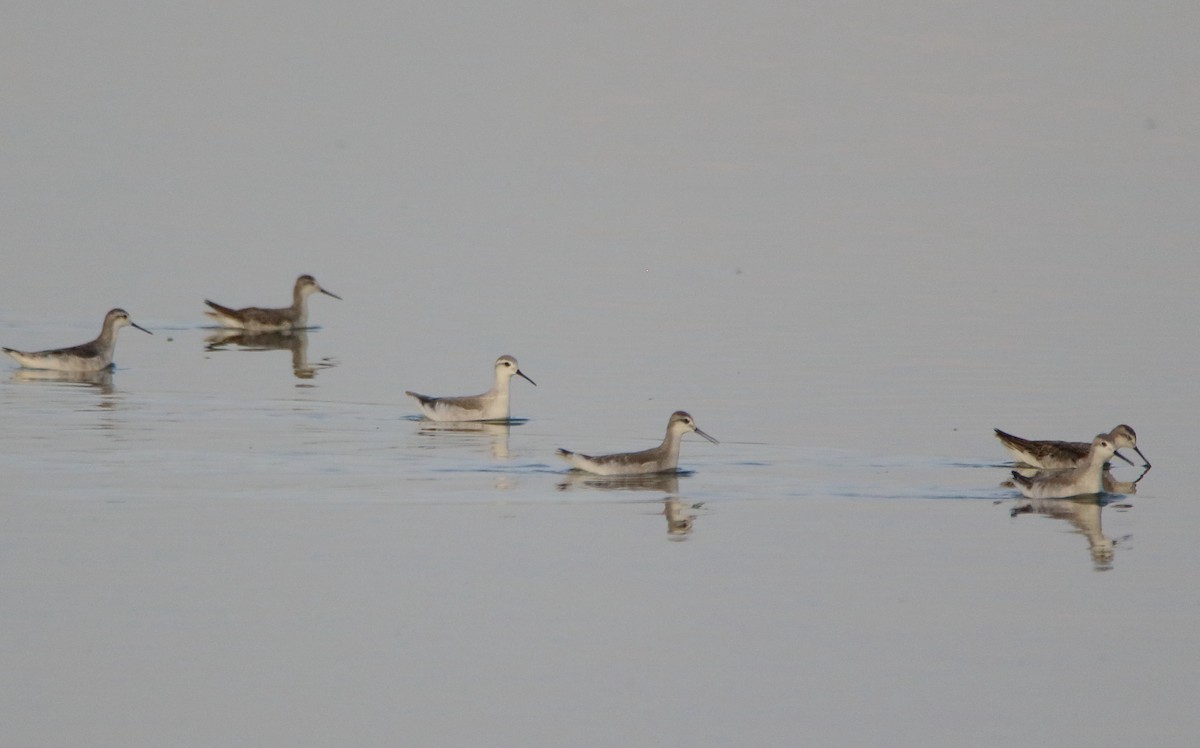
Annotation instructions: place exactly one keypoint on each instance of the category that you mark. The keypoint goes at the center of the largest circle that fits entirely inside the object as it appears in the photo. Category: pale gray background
(849, 238)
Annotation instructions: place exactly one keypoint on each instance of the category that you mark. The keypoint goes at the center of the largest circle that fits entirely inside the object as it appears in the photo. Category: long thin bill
(134, 324)
(521, 374)
(330, 293)
(1147, 465)
(706, 436)
(1123, 457)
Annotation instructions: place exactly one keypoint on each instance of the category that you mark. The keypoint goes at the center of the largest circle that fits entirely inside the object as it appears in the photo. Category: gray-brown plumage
(663, 458)
(1061, 454)
(257, 319)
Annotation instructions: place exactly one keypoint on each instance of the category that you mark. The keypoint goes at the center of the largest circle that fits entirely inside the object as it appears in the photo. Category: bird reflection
(665, 482)
(1112, 485)
(1084, 513)
(680, 517)
(101, 380)
(496, 431)
(1107, 479)
(295, 341)
(680, 514)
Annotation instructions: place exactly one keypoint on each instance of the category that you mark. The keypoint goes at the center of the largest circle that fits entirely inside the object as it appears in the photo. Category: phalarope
(93, 356)
(254, 319)
(1085, 478)
(490, 406)
(1056, 454)
(662, 458)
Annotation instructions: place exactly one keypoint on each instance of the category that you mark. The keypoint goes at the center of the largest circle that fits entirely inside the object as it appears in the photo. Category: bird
(93, 356)
(1085, 478)
(1059, 454)
(490, 406)
(255, 319)
(662, 458)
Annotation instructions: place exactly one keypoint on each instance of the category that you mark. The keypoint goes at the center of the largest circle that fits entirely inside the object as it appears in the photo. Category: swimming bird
(1056, 454)
(490, 406)
(1085, 478)
(92, 356)
(254, 319)
(658, 459)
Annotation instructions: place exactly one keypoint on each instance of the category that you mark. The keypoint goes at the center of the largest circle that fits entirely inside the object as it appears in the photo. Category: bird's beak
(1147, 465)
(329, 293)
(706, 436)
(521, 374)
(1123, 457)
(134, 324)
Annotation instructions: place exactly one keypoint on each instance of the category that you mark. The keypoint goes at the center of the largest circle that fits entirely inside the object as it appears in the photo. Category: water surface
(848, 244)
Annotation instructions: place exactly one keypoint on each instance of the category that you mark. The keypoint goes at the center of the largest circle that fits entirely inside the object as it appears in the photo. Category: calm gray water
(850, 241)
